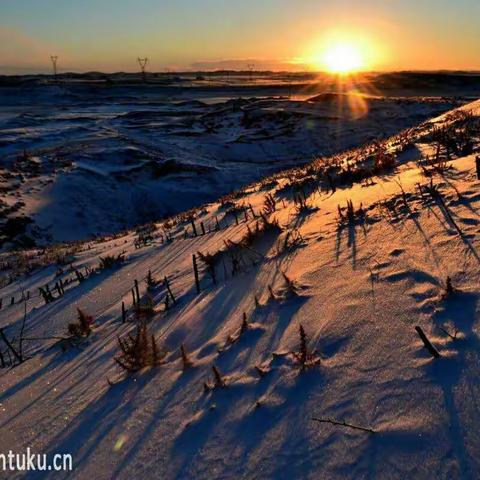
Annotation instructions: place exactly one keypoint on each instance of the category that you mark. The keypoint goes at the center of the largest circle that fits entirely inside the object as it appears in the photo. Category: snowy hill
(85, 161)
(354, 251)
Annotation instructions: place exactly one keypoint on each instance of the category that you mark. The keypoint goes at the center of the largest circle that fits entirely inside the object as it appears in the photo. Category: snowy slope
(87, 162)
(361, 288)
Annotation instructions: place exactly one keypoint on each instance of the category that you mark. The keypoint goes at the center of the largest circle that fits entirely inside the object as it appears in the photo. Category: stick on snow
(343, 424)
(426, 342)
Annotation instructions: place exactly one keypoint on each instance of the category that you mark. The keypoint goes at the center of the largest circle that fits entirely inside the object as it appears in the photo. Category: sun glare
(342, 58)
(341, 53)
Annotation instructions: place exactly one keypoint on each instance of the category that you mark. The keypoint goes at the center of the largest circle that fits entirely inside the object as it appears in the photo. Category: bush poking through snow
(150, 281)
(293, 239)
(83, 327)
(301, 203)
(269, 204)
(144, 309)
(449, 289)
(209, 261)
(304, 357)
(186, 362)
(244, 326)
(351, 216)
(139, 351)
(111, 261)
(233, 338)
(218, 381)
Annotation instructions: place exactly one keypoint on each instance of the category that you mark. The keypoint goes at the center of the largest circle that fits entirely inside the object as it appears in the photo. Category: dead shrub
(139, 351)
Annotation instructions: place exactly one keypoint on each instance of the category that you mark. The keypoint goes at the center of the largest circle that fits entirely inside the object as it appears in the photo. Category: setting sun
(342, 58)
(341, 52)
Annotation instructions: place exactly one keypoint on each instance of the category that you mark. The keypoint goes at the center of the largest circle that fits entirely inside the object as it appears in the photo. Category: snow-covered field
(82, 160)
(285, 251)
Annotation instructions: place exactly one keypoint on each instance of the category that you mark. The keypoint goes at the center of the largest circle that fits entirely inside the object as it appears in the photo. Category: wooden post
(236, 217)
(245, 213)
(193, 227)
(202, 227)
(477, 164)
(217, 223)
(251, 209)
(133, 297)
(426, 342)
(137, 291)
(167, 285)
(61, 286)
(1, 303)
(124, 313)
(195, 272)
(12, 301)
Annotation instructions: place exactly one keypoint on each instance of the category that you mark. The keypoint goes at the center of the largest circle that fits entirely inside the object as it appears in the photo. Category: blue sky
(109, 34)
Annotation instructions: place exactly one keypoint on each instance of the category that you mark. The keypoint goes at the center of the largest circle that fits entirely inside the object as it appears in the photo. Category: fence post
(193, 227)
(124, 313)
(133, 298)
(195, 272)
(167, 284)
(137, 291)
(477, 163)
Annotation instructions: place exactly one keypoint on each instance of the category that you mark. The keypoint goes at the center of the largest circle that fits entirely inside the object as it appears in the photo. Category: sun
(342, 58)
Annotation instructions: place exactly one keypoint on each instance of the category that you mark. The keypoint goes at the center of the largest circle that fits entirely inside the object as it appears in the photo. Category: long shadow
(94, 424)
(351, 241)
(447, 214)
(194, 437)
(460, 309)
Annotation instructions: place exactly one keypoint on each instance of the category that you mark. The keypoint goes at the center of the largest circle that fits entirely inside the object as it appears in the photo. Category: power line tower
(250, 67)
(142, 62)
(54, 59)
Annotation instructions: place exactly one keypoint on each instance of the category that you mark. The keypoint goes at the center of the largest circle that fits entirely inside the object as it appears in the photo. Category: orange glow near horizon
(342, 58)
(341, 53)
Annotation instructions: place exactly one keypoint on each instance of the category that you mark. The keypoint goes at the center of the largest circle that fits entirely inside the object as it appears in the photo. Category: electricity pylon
(250, 67)
(142, 62)
(54, 59)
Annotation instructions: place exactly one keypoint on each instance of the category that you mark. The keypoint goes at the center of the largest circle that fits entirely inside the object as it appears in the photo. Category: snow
(362, 287)
(150, 155)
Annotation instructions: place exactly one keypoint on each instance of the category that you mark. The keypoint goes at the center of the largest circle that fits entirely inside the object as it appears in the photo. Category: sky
(109, 35)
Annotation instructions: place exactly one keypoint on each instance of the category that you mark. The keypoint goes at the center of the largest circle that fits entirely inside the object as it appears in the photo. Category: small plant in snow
(209, 261)
(139, 351)
(244, 326)
(145, 309)
(218, 381)
(83, 327)
(150, 281)
(449, 288)
(304, 357)
(111, 261)
(186, 362)
(269, 204)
